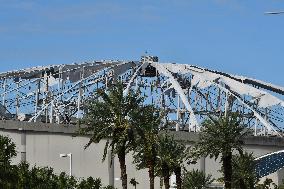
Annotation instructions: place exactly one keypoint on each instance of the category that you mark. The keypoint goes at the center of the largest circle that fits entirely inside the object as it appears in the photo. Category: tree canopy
(107, 116)
(220, 136)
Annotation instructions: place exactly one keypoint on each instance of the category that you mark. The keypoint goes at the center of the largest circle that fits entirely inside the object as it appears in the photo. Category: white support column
(106, 82)
(79, 96)
(37, 97)
(46, 97)
(167, 83)
(178, 113)
(51, 113)
(226, 104)
(79, 101)
(60, 81)
(4, 94)
(17, 99)
(255, 127)
(219, 100)
(60, 89)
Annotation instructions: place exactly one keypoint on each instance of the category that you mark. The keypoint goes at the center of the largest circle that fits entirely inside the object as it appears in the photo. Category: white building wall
(43, 149)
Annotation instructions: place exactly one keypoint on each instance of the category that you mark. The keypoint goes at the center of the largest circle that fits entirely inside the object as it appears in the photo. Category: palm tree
(244, 176)
(133, 182)
(179, 154)
(7, 152)
(171, 156)
(220, 136)
(147, 120)
(164, 168)
(107, 117)
(196, 179)
(90, 183)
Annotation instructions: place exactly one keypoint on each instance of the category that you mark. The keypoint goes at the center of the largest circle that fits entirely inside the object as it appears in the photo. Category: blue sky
(228, 35)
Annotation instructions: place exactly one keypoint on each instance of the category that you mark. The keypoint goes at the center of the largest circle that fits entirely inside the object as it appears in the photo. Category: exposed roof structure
(188, 93)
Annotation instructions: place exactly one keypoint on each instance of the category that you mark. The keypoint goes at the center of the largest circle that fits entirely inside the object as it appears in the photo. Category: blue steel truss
(270, 163)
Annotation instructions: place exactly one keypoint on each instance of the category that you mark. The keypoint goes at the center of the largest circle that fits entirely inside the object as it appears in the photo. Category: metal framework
(269, 163)
(56, 93)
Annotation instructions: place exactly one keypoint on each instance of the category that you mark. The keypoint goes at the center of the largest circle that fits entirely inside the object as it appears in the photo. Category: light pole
(70, 161)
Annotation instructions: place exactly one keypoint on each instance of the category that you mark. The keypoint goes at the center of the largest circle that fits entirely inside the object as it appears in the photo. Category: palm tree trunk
(251, 185)
(242, 184)
(121, 157)
(151, 174)
(178, 177)
(166, 175)
(227, 165)
(167, 181)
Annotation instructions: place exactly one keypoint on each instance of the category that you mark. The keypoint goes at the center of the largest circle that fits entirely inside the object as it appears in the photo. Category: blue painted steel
(269, 163)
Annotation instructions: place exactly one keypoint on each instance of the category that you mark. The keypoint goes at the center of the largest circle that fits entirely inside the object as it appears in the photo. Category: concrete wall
(40, 144)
